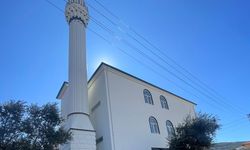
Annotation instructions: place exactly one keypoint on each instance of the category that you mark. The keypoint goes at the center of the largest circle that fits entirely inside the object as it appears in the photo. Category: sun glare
(96, 62)
(105, 59)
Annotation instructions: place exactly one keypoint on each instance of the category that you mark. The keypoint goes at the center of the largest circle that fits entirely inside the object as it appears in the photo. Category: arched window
(164, 102)
(154, 128)
(170, 128)
(148, 97)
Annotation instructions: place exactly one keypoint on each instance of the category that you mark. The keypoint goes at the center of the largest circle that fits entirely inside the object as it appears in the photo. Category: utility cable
(197, 81)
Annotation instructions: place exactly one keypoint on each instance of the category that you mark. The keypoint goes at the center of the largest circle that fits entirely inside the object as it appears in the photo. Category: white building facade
(128, 113)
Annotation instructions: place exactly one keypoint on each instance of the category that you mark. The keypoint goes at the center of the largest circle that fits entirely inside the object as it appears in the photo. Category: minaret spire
(75, 107)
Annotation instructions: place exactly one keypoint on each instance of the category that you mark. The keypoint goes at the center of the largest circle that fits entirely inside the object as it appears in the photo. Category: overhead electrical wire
(197, 81)
(54, 5)
(241, 123)
(220, 104)
(145, 65)
(111, 32)
(235, 121)
(131, 56)
(141, 62)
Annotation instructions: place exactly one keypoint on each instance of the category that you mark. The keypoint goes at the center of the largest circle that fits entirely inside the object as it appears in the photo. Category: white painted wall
(100, 116)
(122, 118)
(130, 113)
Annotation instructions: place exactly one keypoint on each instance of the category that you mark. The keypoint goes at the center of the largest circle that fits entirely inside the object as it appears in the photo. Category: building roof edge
(123, 72)
(62, 90)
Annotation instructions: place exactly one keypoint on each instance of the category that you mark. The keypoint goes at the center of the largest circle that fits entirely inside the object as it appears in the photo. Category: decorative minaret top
(76, 9)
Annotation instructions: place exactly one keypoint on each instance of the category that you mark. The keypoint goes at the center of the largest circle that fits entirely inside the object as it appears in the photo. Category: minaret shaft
(75, 104)
(77, 68)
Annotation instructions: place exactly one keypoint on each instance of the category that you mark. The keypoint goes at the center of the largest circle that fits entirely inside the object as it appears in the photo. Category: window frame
(164, 102)
(170, 128)
(148, 97)
(154, 126)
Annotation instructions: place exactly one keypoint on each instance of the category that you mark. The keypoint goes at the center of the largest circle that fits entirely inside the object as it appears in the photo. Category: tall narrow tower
(75, 108)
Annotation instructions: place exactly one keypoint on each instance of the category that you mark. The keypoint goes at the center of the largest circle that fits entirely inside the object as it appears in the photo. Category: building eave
(65, 84)
(132, 76)
(62, 90)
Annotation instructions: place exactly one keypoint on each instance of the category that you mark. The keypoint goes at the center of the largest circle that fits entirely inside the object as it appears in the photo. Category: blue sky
(208, 38)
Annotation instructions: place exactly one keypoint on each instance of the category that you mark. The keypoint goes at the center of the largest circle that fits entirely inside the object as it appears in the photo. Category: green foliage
(24, 127)
(195, 133)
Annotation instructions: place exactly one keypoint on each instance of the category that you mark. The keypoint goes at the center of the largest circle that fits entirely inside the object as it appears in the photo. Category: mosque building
(113, 110)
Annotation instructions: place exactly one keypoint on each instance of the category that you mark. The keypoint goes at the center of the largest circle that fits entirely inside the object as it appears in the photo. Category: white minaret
(75, 108)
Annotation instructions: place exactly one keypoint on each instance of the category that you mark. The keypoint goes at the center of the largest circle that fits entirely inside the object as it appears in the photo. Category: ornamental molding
(76, 11)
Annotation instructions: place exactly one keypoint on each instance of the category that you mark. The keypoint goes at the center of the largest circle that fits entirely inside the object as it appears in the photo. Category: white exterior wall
(82, 140)
(122, 117)
(100, 116)
(127, 122)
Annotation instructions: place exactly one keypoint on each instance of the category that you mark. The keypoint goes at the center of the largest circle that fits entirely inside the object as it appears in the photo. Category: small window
(154, 128)
(164, 102)
(148, 97)
(170, 129)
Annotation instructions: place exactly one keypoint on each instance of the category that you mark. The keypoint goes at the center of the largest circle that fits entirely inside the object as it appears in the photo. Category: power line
(141, 62)
(161, 66)
(171, 66)
(197, 81)
(172, 60)
(55, 6)
(101, 25)
(102, 14)
(107, 10)
(131, 56)
(110, 31)
(236, 124)
(234, 121)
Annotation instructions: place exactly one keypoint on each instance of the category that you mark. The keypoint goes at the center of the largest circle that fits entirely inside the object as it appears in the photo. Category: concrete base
(82, 140)
(83, 134)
